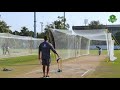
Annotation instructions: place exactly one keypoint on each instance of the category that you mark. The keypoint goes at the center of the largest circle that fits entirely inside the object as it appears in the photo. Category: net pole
(108, 45)
(75, 45)
(80, 47)
(89, 46)
(31, 45)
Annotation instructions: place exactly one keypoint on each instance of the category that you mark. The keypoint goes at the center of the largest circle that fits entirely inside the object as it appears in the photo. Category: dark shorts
(46, 62)
(99, 52)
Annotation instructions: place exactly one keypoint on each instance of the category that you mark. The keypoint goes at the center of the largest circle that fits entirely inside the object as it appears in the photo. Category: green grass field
(19, 65)
(108, 69)
(23, 64)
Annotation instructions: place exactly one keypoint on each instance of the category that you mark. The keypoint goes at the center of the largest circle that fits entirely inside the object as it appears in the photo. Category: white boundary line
(85, 72)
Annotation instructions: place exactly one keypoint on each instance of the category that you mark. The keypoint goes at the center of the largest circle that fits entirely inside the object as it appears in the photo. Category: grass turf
(107, 69)
(24, 64)
(19, 65)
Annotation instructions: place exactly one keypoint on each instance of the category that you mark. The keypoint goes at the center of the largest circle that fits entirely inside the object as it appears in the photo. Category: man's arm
(52, 48)
(39, 53)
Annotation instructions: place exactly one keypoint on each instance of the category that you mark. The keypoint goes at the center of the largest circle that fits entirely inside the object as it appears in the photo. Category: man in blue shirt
(44, 55)
(100, 50)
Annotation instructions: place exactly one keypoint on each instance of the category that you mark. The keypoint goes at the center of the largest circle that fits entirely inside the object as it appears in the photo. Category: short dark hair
(45, 38)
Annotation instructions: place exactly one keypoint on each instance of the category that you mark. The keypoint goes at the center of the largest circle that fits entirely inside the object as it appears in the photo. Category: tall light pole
(41, 26)
(64, 20)
(85, 21)
(35, 25)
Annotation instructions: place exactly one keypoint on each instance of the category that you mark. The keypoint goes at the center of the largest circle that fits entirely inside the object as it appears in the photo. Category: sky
(19, 19)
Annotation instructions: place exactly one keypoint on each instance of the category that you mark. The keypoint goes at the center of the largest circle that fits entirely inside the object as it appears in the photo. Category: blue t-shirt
(45, 48)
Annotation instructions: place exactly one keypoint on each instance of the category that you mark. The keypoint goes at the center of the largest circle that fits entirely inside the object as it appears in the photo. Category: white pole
(108, 45)
(41, 26)
(89, 46)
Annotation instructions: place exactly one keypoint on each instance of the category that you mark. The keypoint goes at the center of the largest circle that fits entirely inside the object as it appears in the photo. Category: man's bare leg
(47, 75)
(43, 70)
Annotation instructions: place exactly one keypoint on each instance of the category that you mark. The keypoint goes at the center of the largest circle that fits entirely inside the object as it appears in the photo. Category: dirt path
(74, 68)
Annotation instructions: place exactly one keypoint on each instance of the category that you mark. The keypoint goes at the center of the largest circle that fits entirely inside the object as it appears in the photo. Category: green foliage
(40, 35)
(96, 25)
(31, 33)
(107, 69)
(24, 32)
(58, 24)
(4, 28)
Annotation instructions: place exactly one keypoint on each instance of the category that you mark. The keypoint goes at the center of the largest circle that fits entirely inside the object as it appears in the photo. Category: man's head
(45, 38)
(97, 46)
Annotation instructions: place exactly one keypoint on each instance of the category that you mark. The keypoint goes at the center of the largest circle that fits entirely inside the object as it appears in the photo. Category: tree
(16, 33)
(40, 35)
(4, 28)
(47, 27)
(59, 24)
(24, 31)
(31, 33)
(96, 25)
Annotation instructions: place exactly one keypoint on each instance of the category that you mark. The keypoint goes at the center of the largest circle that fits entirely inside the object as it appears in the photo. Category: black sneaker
(59, 70)
(47, 75)
(43, 77)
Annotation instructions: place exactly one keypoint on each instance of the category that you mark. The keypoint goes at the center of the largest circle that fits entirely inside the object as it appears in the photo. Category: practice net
(14, 45)
(74, 43)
